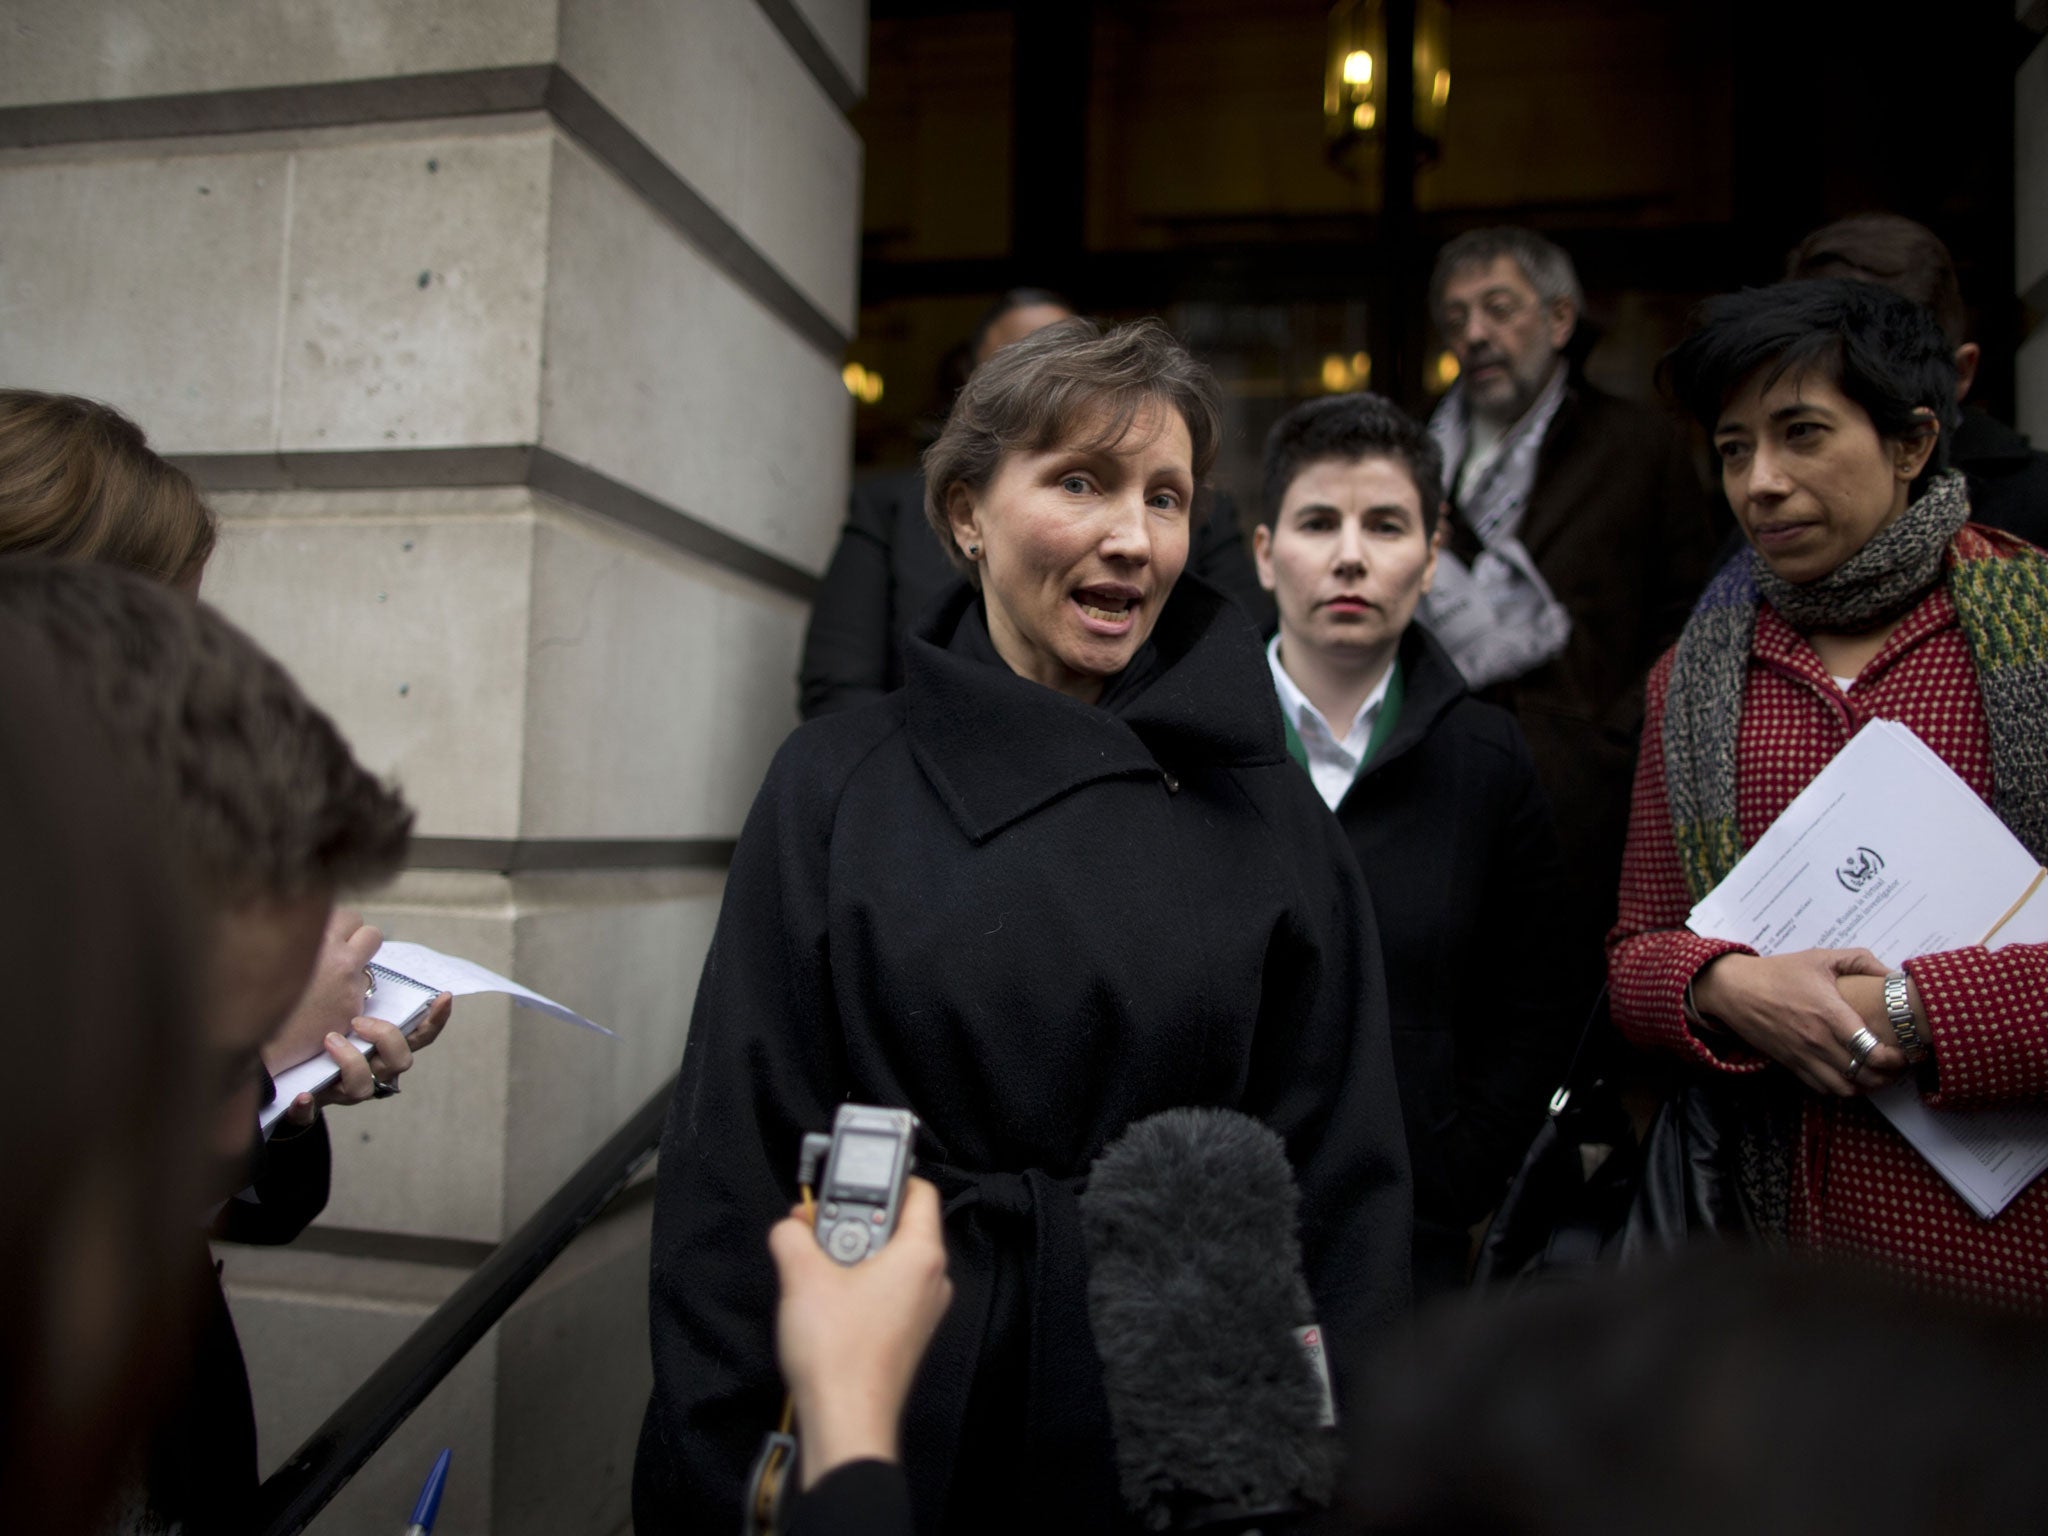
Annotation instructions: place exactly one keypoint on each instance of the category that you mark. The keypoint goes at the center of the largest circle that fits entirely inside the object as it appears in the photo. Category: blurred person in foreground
(104, 1141)
(1439, 798)
(1716, 1393)
(2008, 477)
(268, 817)
(1867, 594)
(1578, 539)
(889, 568)
(1065, 878)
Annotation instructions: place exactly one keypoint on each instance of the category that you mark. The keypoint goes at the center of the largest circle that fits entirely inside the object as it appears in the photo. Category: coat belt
(1065, 1467)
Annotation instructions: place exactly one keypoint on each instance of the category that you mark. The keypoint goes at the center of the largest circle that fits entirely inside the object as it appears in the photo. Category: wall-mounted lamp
(1354, 76)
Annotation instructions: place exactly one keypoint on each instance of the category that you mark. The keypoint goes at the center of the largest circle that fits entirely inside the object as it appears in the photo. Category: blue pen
(430, 1498)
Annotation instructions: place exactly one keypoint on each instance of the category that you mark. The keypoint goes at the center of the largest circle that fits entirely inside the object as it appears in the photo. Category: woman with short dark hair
(1866, 594)
(1065, 878)
(1438, 795)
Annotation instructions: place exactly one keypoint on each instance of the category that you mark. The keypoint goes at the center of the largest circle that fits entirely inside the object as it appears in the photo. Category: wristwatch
(1898, 1007)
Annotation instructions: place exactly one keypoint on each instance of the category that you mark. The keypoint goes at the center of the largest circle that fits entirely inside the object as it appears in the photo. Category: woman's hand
(850, 1338)
(391, 1054)
(333, 995)
(331, 1007)
(1793, 1009)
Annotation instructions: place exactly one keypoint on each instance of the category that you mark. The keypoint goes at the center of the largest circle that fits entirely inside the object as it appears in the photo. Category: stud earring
(974, 551)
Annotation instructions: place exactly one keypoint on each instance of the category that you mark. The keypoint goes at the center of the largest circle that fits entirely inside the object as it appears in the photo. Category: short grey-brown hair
(1062, 380)
(1544, 263)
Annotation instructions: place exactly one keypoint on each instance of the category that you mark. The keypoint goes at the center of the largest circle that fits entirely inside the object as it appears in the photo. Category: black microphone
(1204, 1326)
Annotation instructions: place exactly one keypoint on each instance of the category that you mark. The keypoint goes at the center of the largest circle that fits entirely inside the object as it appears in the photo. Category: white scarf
(1497, 616)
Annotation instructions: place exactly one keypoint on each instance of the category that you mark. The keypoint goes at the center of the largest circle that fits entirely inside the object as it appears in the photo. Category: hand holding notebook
(408, 978)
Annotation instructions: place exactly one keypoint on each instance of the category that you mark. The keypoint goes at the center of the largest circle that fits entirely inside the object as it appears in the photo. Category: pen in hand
(429, 1504)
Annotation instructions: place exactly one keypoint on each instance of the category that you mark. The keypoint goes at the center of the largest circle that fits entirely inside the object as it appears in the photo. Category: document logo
(1859, 869)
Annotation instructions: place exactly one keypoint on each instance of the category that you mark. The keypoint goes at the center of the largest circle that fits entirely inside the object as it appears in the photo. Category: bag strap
(1577, 1075)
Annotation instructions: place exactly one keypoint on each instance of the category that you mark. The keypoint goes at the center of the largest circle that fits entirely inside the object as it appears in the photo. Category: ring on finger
(1861, 1044)
(383, 1090)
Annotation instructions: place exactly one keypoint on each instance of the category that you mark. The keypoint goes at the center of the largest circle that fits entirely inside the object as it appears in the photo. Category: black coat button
(1172, 784)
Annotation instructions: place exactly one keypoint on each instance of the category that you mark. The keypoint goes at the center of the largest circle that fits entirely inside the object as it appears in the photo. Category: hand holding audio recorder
(866, 1159)
(853, 1320)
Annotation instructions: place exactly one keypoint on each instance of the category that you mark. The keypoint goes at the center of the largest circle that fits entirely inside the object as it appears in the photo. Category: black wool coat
(1031, 921)
(1453, 830)
(889, 568)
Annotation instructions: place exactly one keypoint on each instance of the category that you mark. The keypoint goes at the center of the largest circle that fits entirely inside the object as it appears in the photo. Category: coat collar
(1431, 684)
(1778, 644)
(997, 746)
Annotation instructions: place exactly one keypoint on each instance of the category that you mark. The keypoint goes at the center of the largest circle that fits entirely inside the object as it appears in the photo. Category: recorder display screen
(867, 1162)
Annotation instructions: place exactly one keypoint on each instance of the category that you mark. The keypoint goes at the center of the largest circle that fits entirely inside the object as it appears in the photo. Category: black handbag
(1686, 1183)
(1569, 1202)
(1589, 1193)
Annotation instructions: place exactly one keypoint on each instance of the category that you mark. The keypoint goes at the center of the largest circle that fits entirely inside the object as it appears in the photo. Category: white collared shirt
(1332, 764)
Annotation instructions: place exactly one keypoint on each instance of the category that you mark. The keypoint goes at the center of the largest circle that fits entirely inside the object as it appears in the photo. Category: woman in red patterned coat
(1866, 594)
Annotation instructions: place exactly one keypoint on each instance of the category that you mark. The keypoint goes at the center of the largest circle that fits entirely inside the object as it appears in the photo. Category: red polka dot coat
(1858, 1189)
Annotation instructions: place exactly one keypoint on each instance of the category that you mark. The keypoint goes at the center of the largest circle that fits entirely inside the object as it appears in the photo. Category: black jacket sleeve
(862, 1498)
(1516, 1028)
(288, 1183)
(760, 1068)
(848, 645)
(1323, 1077)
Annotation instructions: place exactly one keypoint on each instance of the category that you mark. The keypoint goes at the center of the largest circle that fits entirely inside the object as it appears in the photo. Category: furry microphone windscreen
(1194, 1292)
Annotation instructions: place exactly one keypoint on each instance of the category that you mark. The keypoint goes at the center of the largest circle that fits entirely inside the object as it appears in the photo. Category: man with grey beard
(1578, 539)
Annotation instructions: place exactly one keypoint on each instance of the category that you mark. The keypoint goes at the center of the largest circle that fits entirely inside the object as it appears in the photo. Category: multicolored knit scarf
(1999, 586)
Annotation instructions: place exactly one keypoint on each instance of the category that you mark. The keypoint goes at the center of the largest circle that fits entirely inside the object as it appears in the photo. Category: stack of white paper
(409, 977)
(1887, 850)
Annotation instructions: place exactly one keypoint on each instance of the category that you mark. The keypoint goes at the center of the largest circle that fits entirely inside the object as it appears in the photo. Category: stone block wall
(505, 337)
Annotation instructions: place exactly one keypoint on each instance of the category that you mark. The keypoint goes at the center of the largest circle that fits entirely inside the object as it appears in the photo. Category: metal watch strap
(1898, 1007)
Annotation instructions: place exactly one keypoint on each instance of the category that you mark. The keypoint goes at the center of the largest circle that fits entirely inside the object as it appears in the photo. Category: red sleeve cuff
(1985, 1024)
(1649, 974)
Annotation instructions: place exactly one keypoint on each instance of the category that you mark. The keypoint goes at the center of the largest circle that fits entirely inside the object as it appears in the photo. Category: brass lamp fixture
(1354, 75)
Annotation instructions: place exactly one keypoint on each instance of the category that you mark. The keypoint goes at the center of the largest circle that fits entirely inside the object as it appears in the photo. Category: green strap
(1382, 725)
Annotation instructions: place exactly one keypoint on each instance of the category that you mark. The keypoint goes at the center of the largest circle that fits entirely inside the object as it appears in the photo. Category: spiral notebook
(409, 977)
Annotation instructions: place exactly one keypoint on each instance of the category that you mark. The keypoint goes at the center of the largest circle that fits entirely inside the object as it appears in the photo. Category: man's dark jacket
(1617, 524)
(2008, 476)
(1032, 921)
(1454, 834)
(890, 568)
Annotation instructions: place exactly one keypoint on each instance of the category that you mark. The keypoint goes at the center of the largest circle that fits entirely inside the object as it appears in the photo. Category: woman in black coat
(1439, 798)
(1064, 878)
